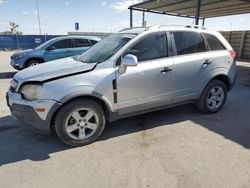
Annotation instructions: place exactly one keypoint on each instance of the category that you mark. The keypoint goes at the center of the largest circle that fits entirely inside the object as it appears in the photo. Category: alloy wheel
(81, 123)
(215, 98)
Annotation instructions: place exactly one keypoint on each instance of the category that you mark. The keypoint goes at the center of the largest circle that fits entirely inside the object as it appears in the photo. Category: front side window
(81, 43)
(151, 47)
(66, 43)
(106, 48)
(188, 42)
(213, 42)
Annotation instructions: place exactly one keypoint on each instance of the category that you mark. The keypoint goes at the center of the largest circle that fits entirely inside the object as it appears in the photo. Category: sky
(59, 16)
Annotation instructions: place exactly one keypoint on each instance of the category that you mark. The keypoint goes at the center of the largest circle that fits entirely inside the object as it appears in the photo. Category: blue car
(55, 48)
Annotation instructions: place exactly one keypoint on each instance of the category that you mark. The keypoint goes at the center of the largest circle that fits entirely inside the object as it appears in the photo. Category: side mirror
(51, 48)
(128, 60)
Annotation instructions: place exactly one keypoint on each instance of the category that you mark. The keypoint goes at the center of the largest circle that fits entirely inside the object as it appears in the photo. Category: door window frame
(174, 45)
(168, 45)
(71, 44)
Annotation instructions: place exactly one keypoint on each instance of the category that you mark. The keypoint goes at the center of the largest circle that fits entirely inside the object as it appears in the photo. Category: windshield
(106, 48)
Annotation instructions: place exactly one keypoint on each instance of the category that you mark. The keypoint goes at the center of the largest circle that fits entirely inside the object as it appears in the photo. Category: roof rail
(195, 26)
(184, 26)
(131, 28)
(161, 26)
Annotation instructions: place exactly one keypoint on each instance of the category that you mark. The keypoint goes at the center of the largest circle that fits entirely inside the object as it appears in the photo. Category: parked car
(129, 73)
(56, 48)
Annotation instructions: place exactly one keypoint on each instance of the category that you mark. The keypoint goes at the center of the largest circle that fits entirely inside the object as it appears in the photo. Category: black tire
(33, 62)
(65, 115)
(204, 103)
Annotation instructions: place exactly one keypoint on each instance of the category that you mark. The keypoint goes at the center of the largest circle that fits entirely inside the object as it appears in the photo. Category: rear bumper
(233, 75)
(233, 81)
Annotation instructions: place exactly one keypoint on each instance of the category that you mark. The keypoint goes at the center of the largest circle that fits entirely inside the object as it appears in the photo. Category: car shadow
(17, 143)
(232, 122)
(4, 75)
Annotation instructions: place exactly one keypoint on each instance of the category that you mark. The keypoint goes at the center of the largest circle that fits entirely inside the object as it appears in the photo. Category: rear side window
(151, 47)
(66, 43)
(81, 43)
(213, 42)
(188, 42)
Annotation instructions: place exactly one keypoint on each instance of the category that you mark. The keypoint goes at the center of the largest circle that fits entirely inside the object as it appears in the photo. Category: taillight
(232, 53)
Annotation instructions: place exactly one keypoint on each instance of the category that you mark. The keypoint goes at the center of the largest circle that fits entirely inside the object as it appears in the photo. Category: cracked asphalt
(174, 148)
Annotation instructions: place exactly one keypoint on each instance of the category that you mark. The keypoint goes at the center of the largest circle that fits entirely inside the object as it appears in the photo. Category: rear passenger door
(192, 64)
(220, 54)
(80, 46)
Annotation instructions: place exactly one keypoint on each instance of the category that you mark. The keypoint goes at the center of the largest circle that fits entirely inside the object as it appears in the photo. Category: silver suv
(135, 71)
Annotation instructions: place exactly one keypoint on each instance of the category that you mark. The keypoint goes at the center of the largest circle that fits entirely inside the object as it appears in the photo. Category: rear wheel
(213, 97)
(33, 62)
(80, 122)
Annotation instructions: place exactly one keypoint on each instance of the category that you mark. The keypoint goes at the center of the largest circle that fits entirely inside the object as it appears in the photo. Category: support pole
(131, 17)
(203, 21)
(197, 15)
(143, 19)
(242, 43)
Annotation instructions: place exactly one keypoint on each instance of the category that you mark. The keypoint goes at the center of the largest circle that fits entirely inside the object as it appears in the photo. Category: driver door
(150, 83)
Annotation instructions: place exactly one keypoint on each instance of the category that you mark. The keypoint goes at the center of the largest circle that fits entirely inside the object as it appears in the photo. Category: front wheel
(213, 97)
(33, 62)
(80, 122)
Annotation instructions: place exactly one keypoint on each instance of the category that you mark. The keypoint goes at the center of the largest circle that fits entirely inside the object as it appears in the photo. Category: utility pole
(38, 17)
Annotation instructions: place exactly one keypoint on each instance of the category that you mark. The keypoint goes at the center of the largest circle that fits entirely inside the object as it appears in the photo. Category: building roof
(187, 8)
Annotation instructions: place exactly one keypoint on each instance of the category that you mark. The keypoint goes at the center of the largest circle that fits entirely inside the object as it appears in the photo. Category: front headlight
(32, 91)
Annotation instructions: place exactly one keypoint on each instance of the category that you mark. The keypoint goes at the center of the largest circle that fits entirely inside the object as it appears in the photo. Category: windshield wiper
(76, 58)
(94, 62)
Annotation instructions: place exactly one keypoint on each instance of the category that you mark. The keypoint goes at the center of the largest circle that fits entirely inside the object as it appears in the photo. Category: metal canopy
(194, 8)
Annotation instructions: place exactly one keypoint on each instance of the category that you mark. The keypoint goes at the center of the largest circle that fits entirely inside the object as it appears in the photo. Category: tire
(213, 97)
(80, 122)
(33, 62)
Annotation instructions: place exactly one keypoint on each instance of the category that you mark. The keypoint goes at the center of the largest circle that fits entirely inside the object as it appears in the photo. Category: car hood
(22, 52)
(53, 70)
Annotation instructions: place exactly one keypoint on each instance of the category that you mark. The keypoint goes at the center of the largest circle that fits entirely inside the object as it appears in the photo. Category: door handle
(166, 69)
(207, 62)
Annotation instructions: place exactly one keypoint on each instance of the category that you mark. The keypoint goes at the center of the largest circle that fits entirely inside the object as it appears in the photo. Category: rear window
(213, 42)
(188, 42)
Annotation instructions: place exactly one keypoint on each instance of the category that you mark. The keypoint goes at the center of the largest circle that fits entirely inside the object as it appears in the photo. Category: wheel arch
(221, 77)
(33, 58)
(106, 108)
